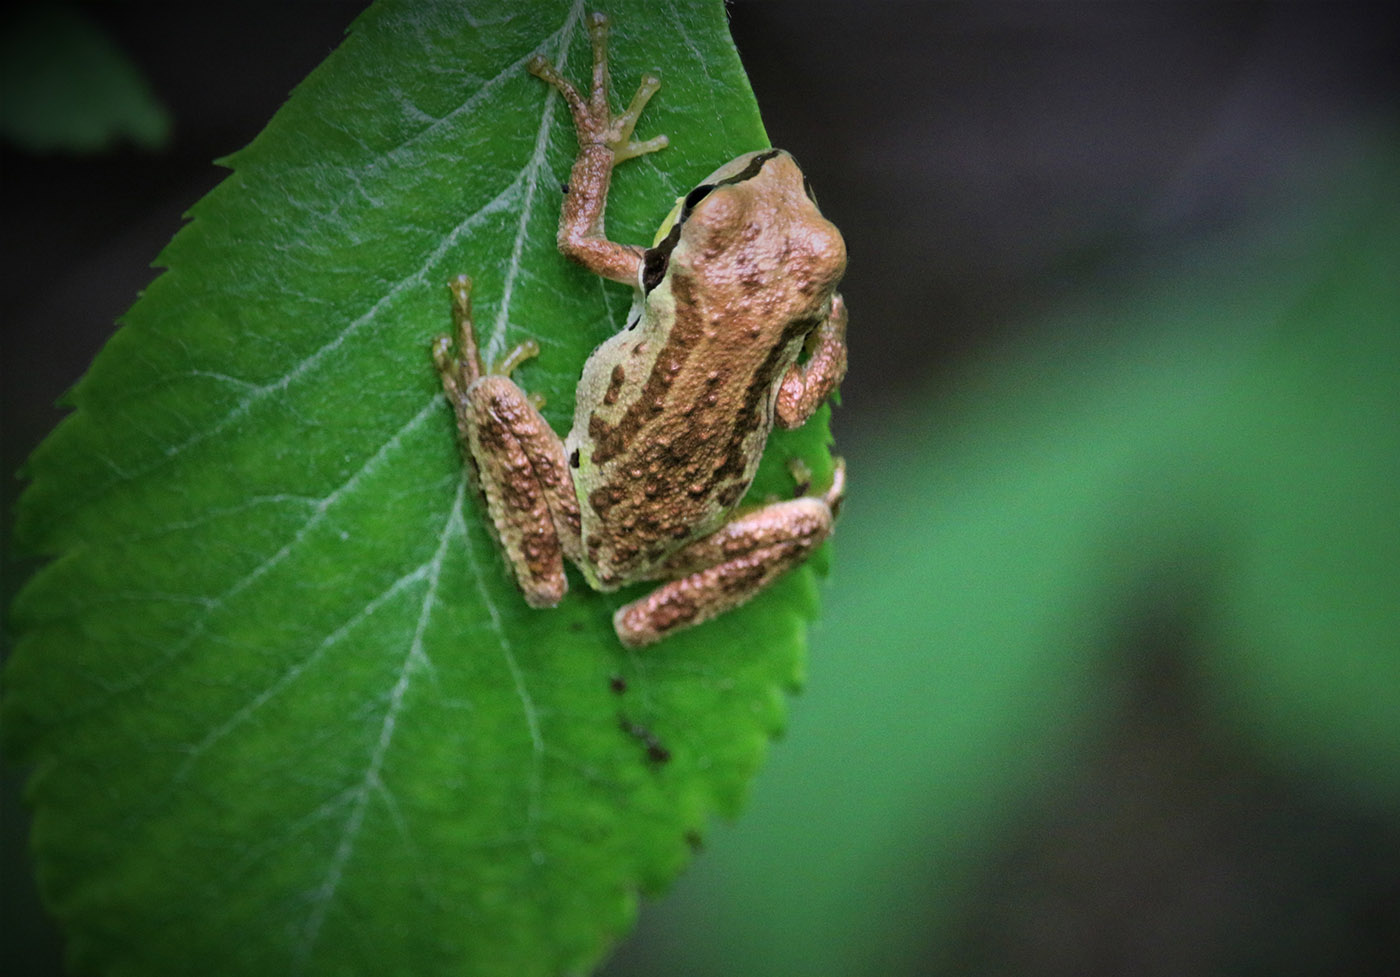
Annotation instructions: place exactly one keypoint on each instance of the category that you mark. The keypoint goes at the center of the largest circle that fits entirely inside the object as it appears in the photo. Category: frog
(736, 326)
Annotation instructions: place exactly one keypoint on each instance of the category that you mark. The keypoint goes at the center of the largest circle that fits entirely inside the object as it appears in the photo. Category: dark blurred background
(1024, 188)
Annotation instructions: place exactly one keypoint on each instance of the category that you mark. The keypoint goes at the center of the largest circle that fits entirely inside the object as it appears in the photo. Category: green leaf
(65, 86)
(285, 711)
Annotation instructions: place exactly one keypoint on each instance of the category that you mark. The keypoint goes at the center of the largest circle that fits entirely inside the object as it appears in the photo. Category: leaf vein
(297, 669)
(414, 659)
(199, 626)
(534, 781)
(496, 345)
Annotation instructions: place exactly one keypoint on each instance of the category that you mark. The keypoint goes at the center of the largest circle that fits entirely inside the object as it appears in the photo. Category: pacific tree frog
(736, 323)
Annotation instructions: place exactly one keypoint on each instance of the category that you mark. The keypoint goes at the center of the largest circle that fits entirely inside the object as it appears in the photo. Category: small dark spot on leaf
(618, 684)
(655, 750)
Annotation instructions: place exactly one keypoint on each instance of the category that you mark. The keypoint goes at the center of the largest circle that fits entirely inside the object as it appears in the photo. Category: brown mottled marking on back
(760, 387)
(700, 458)
(596, 428)
(610, 439)
(602, 499)
(614, 385)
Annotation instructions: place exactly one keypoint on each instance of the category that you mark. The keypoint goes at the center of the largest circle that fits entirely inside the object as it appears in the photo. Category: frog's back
(674, 411)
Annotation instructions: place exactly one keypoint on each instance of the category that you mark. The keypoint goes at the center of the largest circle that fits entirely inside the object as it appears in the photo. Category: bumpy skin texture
(521, 468)
(672, 413)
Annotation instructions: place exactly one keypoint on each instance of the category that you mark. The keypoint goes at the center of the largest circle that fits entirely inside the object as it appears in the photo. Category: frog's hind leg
(524, 476)
(732, 565)
(520, 462)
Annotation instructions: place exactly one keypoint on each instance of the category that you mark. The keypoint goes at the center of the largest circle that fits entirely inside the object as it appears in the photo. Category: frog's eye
(695, 196)
(658, 256)
(681, 211)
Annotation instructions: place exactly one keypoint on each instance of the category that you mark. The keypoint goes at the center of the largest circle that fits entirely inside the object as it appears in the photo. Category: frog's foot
(593, 118)
(732, 565)
(462, 370)
(518, 354)
(459, 371)
(507, 364)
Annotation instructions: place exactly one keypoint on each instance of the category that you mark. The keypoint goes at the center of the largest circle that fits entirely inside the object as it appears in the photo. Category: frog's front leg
(520, 462)
(604, 140)
(731, 565)
(810, 382)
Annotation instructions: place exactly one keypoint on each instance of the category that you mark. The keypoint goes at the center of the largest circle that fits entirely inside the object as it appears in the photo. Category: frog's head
(768, 174)
(756, 202)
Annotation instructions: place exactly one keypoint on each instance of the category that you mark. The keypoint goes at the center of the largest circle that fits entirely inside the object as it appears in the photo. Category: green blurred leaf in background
(1225, 426)
(284, 709)
(65, 86)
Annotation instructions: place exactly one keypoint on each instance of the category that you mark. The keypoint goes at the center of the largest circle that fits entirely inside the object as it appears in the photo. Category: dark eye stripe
(655, 260)
(694, 197)
(750, 171)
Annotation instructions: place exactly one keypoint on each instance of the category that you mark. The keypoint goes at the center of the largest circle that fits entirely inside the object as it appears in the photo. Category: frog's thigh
(524, 475)
(726, 568)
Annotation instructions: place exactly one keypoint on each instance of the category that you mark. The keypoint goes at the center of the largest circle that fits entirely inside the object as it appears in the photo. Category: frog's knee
(546, 593)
